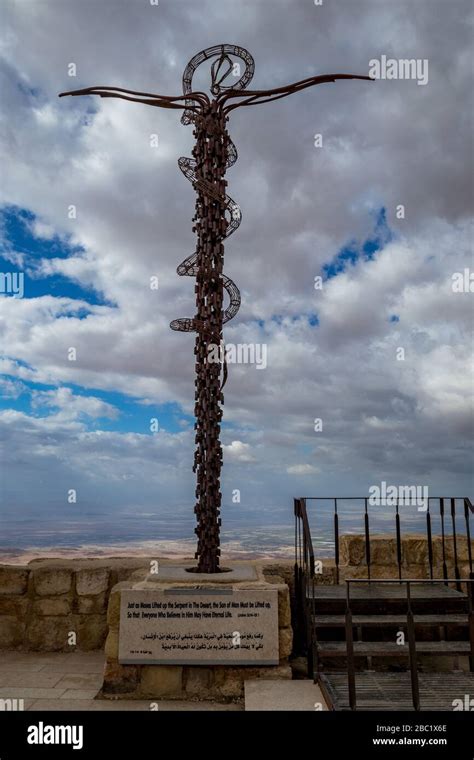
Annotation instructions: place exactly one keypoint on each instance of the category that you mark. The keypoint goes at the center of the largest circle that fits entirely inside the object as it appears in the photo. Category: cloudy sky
(381, 353)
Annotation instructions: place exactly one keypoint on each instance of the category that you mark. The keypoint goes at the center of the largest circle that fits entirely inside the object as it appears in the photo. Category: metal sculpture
(216, 217)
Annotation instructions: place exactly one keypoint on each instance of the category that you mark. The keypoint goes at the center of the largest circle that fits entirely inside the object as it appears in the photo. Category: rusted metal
(467, 508)
(367, 536)
(415, 689)
(443, 539)
(399, 539)
(434, 505)
(429, 536)
(216, 217)
(455, 543)
(351, 682)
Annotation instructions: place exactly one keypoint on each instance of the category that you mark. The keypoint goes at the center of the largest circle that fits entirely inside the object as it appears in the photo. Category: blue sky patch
(353, 252)
(18, 238)
(133, 416)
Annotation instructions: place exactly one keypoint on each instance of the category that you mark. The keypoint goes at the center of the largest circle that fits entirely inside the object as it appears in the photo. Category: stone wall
(44, 602)
(57, 605)
(415, 562)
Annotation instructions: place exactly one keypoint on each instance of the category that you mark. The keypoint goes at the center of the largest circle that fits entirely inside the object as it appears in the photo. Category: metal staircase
(368, 640)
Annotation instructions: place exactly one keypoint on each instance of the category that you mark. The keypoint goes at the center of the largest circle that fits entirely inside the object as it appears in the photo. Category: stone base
(234, 572)
(210, 682)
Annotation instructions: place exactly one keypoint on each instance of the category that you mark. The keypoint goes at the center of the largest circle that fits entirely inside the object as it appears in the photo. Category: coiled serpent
(188, 166)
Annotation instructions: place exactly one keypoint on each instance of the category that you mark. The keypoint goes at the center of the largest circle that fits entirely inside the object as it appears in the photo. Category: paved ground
(275, 695)
(59, 681)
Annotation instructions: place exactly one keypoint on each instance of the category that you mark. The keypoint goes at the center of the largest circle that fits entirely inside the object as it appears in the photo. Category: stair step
(391, 648)
(392, 691)
(381, 598)
(385, 592)
(339, 621)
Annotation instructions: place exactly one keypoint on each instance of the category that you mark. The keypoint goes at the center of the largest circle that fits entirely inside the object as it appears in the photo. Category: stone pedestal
(184, 680)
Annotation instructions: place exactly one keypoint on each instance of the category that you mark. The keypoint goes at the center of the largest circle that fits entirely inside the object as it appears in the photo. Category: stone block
(91, 631)
(229, 682)
(161, 681)
(92, 581)
(285, 642)
(284, 570)
(198, 681)
(461, 548)
(383, 550)
(113, 609)
(384, 572)
(52, 581)
(352, 571)
(11, 632)
(112, 645)
(15, 606)
(92, 605)
(55, 606)
(325, 572)
(352, 550)
(284, 608)
(120, 679)
(49, 634)
(415, 550)
(13, 580)
(125, 573)
(417, 571)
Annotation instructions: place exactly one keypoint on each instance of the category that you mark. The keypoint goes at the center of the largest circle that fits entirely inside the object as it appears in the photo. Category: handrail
(355, 498)
(463, 504)
(306, 551)
(410, 630)
(307, 537)
(304, 573)
(415, 689)
(350, 652)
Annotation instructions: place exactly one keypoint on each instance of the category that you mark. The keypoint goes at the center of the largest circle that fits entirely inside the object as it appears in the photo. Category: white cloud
(237, 451)
(383, 144)
(71, 406)
(301, 469)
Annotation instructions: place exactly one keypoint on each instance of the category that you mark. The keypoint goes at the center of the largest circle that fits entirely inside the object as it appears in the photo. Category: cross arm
(256, 97)
(148, 98)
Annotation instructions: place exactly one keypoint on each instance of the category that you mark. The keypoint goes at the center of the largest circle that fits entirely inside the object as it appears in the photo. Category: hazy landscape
(264, 532)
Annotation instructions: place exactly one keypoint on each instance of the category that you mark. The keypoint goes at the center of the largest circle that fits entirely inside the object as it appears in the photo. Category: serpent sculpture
(216, 217)
(193, 170)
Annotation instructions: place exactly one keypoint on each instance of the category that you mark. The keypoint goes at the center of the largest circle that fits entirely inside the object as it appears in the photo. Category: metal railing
(304, 573)
(415, 691)
(304, 554)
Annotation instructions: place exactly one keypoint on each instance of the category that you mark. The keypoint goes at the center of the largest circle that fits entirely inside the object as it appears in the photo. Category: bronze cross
(216, 217)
